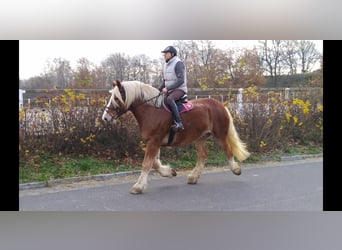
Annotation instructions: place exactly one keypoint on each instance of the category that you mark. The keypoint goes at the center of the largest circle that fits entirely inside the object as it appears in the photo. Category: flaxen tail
(239, 148)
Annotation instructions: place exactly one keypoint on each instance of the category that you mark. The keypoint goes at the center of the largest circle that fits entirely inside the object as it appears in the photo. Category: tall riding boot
(176, 116)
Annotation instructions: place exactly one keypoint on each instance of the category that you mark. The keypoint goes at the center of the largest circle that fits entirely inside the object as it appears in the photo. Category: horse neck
(140, 111)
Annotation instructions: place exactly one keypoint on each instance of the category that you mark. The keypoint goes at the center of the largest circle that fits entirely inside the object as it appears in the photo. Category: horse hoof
(136, 191)
(236, 171)
(192, 180)
(174, 173)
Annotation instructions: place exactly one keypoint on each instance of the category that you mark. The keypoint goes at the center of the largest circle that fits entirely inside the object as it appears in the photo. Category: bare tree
(184, 49)
(99, 76)
(115, 66)
(140, 68)
(206, 63)
(308, 55)
(156, 72)
(191, 60)
(207, 52)
(59, 72)
(272, 56)
(291, 56)
(82, 75)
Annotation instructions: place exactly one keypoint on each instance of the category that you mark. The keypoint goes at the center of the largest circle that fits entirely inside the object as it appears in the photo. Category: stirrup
(177, 126)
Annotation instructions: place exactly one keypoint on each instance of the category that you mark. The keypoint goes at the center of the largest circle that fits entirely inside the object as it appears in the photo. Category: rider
(174, 84)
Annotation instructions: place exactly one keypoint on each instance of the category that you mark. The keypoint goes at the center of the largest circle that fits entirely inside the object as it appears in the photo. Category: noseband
(117, 111)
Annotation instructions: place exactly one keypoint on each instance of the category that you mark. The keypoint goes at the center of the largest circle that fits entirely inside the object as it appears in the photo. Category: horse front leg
(163, 170)
(202, 156)
(149, 158)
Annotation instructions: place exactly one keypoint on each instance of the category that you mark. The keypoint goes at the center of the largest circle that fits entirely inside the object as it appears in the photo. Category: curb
(103, 177)
(299, 157)
(100, 177)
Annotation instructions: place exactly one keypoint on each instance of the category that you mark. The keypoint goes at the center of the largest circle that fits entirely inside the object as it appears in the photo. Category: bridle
(119, 111)
(116, 109)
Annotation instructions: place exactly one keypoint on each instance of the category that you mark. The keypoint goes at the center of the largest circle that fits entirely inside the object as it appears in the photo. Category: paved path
(282, 186)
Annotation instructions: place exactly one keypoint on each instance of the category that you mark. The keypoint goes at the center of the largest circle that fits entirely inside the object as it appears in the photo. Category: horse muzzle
(107, 117)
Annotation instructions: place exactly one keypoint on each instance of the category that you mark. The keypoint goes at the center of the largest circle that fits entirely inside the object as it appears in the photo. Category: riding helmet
(170, 49)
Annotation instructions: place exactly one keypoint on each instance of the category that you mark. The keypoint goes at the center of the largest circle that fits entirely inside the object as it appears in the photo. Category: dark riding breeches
(174, 96)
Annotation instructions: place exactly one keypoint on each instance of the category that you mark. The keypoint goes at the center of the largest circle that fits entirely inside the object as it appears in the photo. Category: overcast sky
(34, 54)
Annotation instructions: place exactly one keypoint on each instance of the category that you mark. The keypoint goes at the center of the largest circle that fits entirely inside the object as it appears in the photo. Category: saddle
(183, 105)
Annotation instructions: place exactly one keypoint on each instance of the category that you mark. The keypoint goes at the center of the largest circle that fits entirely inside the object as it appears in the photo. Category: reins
(155, 97)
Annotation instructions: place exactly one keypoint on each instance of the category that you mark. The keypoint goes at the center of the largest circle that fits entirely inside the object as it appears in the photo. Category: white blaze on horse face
(106, 116)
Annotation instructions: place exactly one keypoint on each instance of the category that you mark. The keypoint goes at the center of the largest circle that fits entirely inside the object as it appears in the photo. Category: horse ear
(117, 83)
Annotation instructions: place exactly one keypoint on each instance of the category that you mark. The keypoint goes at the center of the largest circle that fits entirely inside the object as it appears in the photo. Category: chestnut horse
(208, 117)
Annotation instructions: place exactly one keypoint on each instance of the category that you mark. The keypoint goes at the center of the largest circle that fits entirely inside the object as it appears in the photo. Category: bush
(69, 125)
(269, 121)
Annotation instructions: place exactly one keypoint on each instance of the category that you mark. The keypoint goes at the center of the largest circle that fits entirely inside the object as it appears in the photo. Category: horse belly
(197, 127)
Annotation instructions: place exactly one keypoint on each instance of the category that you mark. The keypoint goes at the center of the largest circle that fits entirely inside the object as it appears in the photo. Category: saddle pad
(182, 107)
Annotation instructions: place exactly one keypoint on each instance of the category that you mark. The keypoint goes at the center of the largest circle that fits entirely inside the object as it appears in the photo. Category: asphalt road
(282, 186)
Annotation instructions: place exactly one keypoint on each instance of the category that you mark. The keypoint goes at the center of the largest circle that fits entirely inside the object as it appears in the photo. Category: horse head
(116, 104)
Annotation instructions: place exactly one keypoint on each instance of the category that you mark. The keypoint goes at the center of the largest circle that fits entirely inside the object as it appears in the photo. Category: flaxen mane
(137, 90)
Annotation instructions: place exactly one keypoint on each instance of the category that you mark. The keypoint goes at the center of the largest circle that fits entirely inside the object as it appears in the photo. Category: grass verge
(49, 167)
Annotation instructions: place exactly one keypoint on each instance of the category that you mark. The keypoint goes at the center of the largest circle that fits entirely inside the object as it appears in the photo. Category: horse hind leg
(163, 170)
(202, 156)
(232, 164)
(233, 146)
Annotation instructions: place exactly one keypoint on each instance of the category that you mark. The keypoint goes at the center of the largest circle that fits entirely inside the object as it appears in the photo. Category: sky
(34, 54)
